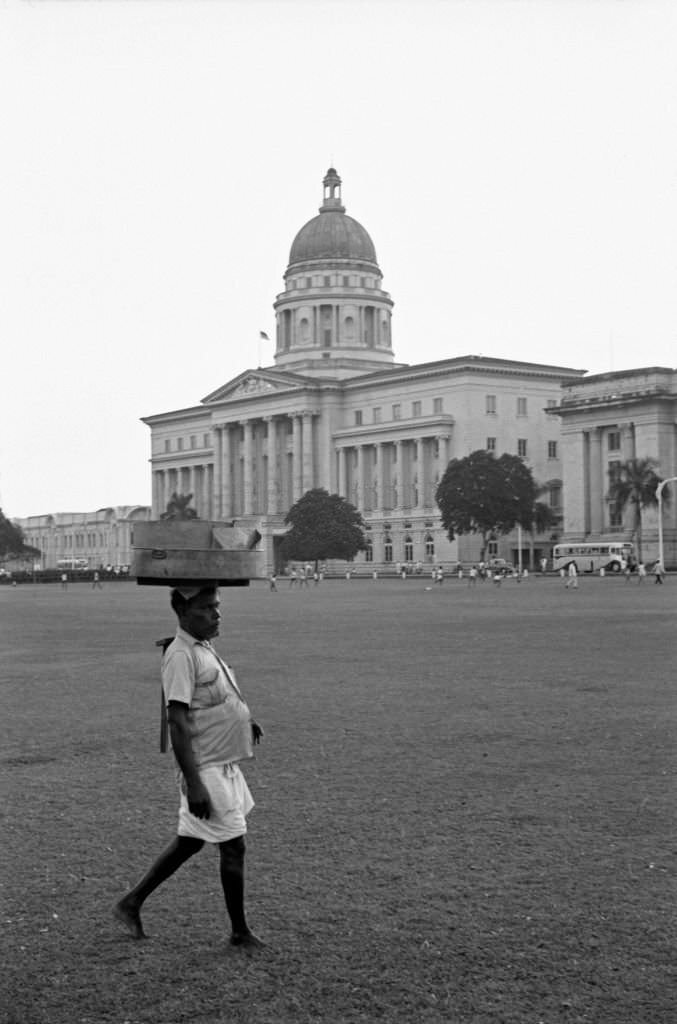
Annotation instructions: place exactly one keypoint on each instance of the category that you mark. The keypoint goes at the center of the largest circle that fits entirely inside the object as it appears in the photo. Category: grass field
(465, 807)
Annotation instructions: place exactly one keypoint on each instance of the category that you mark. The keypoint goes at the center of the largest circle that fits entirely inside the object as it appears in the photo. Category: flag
(262, 334)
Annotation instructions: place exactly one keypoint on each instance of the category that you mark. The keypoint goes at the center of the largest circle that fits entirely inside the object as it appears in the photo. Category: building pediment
(254, 382)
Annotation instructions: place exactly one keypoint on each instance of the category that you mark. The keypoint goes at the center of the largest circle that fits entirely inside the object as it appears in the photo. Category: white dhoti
(230, 803)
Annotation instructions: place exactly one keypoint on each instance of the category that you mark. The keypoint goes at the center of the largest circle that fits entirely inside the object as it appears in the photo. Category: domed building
(336, 411)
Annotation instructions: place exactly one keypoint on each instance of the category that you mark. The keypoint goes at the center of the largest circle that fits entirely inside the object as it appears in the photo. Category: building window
(206, 441)
(179, 444)
(327, 338)
(408, 548)
(491, 444)
(491, 405)
(358, 417)
(552, 449)
(168, 444)
(521, 406)
(492, 548)
(522, 447)
(555, 496)
(614, 440)
(377, 414)
(346, 282)
(327, 282)
(193, 441)
(415, 408)
(429, 547)
(388, 548)
(369, 551)
(438, 405)
(397, 411)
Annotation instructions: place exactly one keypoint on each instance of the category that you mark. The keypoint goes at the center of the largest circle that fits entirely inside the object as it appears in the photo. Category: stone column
(341, 452)
(271, 497)
(225, 482)
(359, 490)
(204, 492)
(399, 500)
(420, 475)
(248, 467)
(297, 465)
(381, 471)
(307, 441)
(218, 468)
(596, 482)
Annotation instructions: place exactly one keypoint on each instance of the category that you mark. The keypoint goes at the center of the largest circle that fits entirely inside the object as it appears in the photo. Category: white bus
(612, 557)
(72, 564)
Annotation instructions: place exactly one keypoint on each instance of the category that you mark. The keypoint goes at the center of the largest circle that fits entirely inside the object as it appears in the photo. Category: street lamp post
(659, 498)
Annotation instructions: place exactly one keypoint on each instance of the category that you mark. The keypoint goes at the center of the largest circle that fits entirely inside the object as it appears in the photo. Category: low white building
(84, 539)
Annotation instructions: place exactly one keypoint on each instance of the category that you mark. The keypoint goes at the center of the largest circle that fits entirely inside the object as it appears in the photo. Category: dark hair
(180, 604)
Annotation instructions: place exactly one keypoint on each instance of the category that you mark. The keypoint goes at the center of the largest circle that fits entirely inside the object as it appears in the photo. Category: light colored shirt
(220, 721)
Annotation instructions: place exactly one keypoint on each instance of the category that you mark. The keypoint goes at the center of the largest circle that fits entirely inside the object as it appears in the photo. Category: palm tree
(634, 483)
(542, 518)
(178, 507)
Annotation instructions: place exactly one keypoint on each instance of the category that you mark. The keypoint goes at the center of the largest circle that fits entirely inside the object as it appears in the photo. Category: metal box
(187, 552)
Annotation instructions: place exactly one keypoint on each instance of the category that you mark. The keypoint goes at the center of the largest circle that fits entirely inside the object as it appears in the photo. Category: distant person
(472, 576)
(572, 577)
(292, 577)
(439, 576)
(211, 730)
(64, 581)
(658, 571)
(544, 565)
(273, 580)
(96, 582)
(641, 572)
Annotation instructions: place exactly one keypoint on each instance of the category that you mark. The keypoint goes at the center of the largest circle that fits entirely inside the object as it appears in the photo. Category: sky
(515, 164)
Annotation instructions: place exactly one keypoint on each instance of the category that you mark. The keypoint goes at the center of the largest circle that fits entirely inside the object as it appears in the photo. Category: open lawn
(465, 807)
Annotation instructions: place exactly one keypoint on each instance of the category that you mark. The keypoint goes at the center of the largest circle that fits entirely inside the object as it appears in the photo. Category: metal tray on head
(182, 553)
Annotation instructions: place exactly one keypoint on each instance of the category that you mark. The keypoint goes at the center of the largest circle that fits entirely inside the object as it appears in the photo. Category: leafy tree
(178, 507)
(633, 483)
(485, 495)
(323, 526)
(12, 543)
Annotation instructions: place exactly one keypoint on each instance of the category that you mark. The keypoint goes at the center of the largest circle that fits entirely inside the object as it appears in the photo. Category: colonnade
(263, 465)
(596, 462)
(259, 466)
(384, 476)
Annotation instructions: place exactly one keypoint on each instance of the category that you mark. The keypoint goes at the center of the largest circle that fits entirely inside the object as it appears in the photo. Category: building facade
(84, 539)
(336, 411)
(607, 419)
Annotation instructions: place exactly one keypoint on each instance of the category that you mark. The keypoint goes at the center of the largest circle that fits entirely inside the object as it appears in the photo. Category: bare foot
(129, 917)
(247, 940)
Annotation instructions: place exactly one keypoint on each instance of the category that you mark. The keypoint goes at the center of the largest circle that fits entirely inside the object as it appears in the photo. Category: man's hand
(198, 800)
(257, 732)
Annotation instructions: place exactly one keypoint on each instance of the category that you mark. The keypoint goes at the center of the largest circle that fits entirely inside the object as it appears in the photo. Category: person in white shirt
(212, 731)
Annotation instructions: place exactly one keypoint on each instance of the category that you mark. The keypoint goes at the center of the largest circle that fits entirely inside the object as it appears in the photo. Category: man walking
(211, 730)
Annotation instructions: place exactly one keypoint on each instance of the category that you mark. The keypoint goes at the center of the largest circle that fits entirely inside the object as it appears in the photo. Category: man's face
(202, 616)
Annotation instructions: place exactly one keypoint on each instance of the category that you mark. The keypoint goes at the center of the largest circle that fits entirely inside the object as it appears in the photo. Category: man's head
(197, 609)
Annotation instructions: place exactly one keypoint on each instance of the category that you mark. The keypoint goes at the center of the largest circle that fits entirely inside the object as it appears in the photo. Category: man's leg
(127, 910)
(231, 854)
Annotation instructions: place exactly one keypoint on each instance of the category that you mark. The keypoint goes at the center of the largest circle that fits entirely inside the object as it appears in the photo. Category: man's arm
(179, 730)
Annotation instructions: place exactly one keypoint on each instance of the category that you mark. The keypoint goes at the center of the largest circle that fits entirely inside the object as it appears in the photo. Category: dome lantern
(332, 192)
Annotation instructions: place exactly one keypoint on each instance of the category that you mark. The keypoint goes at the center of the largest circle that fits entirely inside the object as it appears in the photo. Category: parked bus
(612, 557)
(72, 564)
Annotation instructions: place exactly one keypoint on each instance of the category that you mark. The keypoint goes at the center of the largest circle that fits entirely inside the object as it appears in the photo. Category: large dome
(333, 235)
